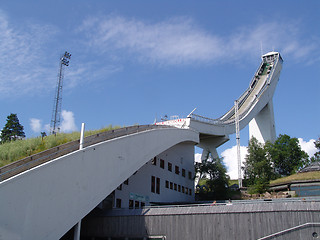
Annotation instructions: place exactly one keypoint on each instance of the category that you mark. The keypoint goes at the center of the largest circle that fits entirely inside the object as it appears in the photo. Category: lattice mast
(56, 112)
(236, 108)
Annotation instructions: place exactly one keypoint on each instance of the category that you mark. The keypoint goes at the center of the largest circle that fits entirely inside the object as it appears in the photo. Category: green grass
(233, 181)
(15, 150)
(298, 176)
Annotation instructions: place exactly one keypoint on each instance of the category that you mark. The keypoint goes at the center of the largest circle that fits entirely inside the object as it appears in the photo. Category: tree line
(264, 162)
(269, 161)
(12, 130)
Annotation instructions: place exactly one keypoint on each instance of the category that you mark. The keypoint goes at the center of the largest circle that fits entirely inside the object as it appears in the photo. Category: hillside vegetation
(15, 150)
(297, 177)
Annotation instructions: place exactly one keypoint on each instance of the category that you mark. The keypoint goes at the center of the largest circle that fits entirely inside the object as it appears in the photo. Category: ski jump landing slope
(48, 200)
(255, 108)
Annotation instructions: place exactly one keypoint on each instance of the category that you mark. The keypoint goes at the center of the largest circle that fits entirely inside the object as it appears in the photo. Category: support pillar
(77, 228)
(262, 127)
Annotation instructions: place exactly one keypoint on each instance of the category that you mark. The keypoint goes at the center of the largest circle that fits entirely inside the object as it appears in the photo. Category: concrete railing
(32, 161)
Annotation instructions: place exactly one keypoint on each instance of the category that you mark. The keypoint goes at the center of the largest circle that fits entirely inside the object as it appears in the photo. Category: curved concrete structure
(254, 108)
(48, 200)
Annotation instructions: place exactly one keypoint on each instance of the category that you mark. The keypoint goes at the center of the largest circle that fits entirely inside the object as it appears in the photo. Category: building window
(142, 204)
(175, 187)
(136, 204)
(190, 175)
(120, 187)
(183, 172)
(177, 171)
(126, 182)
(162, 163)
(158, 186)
(169, 167)
(179, 188)
(182, 189)
(190, 192)
(153, 184)
(171, 185)
(118, 203)
(167, 184)
(187, 190)
(130, 203)
(154, 161)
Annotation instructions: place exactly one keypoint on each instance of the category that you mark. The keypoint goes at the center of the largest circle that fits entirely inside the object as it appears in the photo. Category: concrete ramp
(48, 200)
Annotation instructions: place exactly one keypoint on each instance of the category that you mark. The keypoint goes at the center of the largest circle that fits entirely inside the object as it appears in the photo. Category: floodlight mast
(56, 112)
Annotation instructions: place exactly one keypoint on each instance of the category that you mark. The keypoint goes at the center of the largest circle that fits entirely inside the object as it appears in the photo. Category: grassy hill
(297, 177)
(15, 150)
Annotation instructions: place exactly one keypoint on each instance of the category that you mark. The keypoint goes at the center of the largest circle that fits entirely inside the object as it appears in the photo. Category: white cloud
(197, 157)
(180, 41)
(308, 147)
(22, 67)
(35, 125)
(230, 160)
(68, 122)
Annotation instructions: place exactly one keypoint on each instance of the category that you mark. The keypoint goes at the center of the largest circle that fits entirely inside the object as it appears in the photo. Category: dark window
(126, 182)
(158, 186)
(130, 203)
(162, 163)
(190, 192)
(175, 187)
(167, 184)
(136, 204)
(182, 189)
(177, 171)
(190, 175)
(187, 190)
(179, 188)
(153, 184)
(171, 185)
(183, 172)
(142, 204)
(118, 203)
(169, 167)
(154, 161)
(120, 187)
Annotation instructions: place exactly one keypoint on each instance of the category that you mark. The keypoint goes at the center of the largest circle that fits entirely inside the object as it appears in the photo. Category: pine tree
(13, 130)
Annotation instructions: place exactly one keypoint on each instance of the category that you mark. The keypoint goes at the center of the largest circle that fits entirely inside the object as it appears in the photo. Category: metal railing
(52, 153)
(283, 232)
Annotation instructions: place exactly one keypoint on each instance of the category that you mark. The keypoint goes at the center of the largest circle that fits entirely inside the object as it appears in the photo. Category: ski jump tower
(254, 107)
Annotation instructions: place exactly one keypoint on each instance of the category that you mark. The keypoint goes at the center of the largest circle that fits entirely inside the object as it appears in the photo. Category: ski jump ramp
(255, 107)
(44, 202)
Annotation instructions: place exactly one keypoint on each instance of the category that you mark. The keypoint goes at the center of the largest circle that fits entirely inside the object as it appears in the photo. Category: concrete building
(166, 178)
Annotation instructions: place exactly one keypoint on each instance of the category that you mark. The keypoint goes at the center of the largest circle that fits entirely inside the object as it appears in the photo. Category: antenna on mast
(56, 112)
(261, 49)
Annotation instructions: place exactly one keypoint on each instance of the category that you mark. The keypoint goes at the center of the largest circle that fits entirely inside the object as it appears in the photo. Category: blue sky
(133, 61)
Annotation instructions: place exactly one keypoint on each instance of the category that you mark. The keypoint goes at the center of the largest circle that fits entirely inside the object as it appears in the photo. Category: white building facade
(167, 178)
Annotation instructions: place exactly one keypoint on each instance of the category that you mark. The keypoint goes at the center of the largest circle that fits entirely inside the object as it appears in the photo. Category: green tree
(286, 155)
(13, 130)
(316, 156)
(258, 168)
(217, 182)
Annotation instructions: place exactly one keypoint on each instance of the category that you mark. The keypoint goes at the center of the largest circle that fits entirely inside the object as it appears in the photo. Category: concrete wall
(237, 221)
(46, 201)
